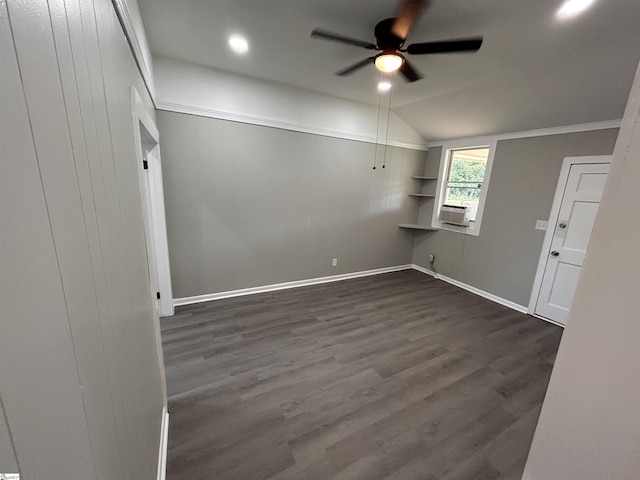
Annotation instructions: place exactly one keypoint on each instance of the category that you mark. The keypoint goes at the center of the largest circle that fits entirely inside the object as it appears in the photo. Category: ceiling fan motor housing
(387, 41)
(391, 35)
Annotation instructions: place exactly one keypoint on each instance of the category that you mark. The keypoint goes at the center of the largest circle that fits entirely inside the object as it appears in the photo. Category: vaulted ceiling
(533, 70)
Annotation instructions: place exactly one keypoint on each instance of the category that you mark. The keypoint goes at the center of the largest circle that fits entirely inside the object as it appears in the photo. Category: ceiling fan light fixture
(389, 62)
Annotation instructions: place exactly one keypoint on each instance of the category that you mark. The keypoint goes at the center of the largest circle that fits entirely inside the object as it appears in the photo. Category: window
(463, 180)
(465, 176)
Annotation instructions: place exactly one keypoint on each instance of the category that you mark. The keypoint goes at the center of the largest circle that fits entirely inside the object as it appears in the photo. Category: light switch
(541, 224)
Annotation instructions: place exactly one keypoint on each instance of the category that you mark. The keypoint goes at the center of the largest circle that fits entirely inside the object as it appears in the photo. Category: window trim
(447, 148)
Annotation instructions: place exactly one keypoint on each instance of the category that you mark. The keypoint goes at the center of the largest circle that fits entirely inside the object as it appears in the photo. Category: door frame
(155, 227)
(567, 163)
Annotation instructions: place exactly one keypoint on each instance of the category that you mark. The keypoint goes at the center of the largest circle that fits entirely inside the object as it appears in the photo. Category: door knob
(555, 253)
(563, 225)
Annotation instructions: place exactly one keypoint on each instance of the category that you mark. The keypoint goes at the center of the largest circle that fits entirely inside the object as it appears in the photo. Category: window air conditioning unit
(454, 215)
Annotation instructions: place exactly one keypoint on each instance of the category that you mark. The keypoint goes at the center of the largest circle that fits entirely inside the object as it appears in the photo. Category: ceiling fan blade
(326, 35)
(407, 15)
(353, 68)
(468, 45)
(409, 73)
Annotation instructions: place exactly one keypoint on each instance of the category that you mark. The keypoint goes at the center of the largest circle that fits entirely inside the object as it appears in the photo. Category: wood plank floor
(396, 376)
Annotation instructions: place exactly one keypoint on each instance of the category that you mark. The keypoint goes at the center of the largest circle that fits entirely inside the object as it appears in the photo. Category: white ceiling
(532, 71)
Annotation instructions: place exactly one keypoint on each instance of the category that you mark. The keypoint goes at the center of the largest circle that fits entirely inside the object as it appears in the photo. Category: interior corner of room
(160, 176)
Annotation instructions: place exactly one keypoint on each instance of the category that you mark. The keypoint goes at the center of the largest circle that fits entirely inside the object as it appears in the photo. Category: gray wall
(80, 377)
(589, 428)
(503, 259)
(250, 205)
(8, 463)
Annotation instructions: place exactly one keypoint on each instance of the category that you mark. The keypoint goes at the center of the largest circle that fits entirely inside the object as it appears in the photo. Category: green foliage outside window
(467, 171)
(465, 182)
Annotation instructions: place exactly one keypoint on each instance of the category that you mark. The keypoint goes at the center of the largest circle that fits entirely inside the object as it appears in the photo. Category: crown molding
(124, 15)
(542, 132)
(270, 122)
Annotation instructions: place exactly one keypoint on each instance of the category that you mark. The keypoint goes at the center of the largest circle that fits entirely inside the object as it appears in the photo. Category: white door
(578, 209)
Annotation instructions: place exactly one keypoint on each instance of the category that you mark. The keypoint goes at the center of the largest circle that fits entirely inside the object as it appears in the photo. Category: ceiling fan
(391, 35)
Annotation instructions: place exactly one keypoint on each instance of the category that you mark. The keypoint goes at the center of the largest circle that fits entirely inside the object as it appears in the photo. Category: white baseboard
(487, 295)
(164, 443)
(346, 276)
(283, 286)
(424, 270)
(477, 291)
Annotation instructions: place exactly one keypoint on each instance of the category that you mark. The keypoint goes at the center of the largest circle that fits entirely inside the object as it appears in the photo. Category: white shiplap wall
(80, 379)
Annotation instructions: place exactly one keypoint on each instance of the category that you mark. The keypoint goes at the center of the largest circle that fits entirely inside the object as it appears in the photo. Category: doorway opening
(152, 195)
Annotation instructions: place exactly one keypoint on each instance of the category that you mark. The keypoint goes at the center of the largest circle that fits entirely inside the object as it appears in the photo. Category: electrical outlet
(334, 262)
(432, 258)
(541, 224)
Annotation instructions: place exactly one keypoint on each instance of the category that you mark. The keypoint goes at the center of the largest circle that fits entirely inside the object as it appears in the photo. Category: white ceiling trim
(124, 15)
(294, 127)
(542, 132)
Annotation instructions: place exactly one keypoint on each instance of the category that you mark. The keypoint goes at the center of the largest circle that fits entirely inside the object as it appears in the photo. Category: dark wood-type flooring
(395, 376)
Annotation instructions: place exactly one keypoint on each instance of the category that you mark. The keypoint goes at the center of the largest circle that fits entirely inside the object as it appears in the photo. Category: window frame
(445, 159)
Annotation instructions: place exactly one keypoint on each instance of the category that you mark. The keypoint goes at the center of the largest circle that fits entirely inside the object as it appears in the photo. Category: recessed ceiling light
(384, 86)
(238, 44)
(571, 8)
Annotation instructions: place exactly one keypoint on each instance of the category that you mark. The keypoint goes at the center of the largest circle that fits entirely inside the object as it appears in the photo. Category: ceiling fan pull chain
(386, 139)
(375, 156)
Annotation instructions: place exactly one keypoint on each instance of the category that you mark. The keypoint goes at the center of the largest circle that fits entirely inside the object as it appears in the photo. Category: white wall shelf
(426, 196)
(413, 226)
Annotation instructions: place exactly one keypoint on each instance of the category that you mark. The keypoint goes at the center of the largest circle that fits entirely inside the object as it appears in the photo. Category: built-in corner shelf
(413, 226)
